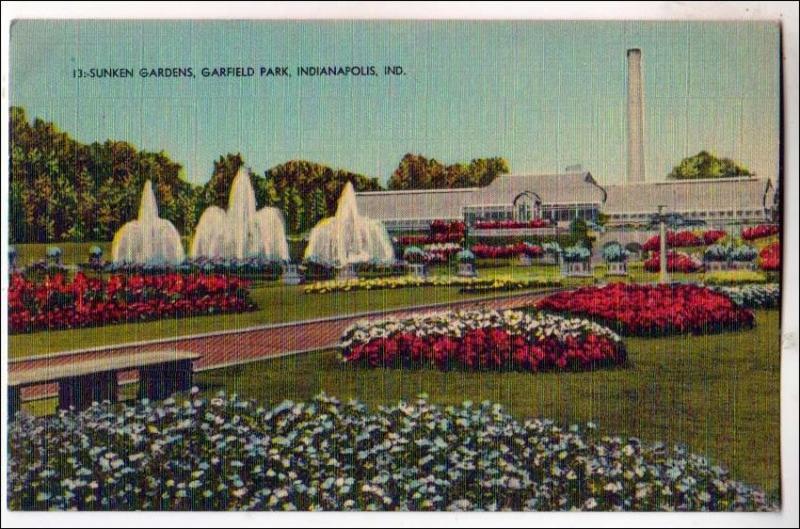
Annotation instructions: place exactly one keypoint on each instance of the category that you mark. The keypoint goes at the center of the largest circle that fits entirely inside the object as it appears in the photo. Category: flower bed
(58, 304)
(500, 284)
(679, 239)
(713, 236)
(676, 262)
(440, 253)
(760, 231)
(734, 277)
(440, 232)
(652, 310)
(769, 258)
(483, 339)
(225, 453)
(511, 224)
(351, 285)
(753, 296)
(487, 251)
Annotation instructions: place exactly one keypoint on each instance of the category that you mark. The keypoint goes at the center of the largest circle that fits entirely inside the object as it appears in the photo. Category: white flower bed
(753, 296)
(230, 454)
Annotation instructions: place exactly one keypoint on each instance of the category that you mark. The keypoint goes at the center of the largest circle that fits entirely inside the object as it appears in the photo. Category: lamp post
(466, 231)
(662, 257)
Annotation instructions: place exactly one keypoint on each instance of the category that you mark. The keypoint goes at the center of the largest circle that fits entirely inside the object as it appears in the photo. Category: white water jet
(348, 238)
(241, 232)
(148, 240)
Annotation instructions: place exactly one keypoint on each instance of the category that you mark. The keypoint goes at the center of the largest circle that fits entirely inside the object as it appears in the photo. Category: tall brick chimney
(635, 117)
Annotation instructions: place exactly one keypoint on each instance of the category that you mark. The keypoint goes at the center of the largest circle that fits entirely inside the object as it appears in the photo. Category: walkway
(240, 346)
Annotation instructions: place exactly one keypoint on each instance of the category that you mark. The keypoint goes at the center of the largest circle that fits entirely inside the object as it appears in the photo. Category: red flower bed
(652, 310)
(712, 236)
(444, 227)
(57, 304)
(511, 224)
(680, 239)
(769, 258)
(486, 251)
(441, 231)
(760, 231)
(488, 340)
(676, 262)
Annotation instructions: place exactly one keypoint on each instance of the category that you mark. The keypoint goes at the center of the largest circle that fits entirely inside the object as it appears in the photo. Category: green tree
(706, 165)
(418, 172)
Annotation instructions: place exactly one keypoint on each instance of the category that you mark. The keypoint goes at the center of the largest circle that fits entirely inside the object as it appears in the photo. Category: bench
(82, 382)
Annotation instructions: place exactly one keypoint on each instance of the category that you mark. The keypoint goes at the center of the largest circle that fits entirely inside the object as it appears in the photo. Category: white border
(786, 12)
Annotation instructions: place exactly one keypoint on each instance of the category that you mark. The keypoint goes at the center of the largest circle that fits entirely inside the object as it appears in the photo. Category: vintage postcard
(394, 266)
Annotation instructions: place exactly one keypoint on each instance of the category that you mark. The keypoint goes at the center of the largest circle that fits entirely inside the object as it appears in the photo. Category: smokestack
(635, 117)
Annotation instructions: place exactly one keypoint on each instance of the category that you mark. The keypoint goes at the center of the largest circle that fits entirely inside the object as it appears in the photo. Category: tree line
(64, 190)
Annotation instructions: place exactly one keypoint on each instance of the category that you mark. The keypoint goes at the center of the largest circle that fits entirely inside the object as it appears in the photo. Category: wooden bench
(161, 373)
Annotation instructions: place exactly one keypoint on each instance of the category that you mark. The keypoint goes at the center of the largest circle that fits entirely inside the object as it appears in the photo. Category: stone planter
(346, 273)
(576, 269)
(418, 270)
(715, 266)
(742, 265)
(618, 268)
(290, 275)
(467, 270)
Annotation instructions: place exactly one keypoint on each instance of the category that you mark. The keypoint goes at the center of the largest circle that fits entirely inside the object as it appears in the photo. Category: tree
(706, 165)
(418, 172)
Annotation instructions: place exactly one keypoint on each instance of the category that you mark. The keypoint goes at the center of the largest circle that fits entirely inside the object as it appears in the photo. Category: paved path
(235, 347)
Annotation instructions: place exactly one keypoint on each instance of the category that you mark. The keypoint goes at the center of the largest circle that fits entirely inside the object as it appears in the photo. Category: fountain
(347, 238)
(241, 232)
(148, 240)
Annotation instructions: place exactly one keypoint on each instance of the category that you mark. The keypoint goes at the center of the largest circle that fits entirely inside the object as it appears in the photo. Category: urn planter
(467, 270)
(290, 275)
(576, 269)
(418, 270)
(618, 268)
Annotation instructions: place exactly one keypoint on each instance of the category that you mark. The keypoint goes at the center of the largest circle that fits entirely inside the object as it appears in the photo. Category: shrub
(575, 254)
(615, 253)
(225, 453)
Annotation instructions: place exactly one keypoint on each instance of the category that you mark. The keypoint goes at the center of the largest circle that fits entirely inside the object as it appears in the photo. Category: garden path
(240, 346)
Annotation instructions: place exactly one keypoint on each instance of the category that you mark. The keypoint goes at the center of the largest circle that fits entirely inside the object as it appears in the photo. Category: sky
(543, 95)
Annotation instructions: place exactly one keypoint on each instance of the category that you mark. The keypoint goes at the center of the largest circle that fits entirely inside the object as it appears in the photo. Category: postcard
(394, 265)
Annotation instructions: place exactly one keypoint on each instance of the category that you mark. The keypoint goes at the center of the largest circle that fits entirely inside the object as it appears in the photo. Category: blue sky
(543, 95)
